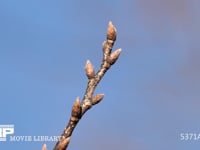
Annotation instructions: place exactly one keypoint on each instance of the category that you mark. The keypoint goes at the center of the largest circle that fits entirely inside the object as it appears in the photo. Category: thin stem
(80, 108)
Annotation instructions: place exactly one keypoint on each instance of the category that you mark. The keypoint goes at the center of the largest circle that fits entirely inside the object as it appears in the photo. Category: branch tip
(89, 70)
(111, 32)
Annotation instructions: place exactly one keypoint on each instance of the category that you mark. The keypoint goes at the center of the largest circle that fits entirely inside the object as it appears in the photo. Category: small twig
(80, 108)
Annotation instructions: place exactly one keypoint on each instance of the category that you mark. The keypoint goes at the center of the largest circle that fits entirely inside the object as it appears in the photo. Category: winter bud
(44, 147)
(89, 70)
(111, 32)
(114, 56)
(76, 109)
(97, 98)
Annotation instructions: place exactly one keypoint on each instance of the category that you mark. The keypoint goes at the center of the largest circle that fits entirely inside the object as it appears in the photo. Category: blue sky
(152, 93)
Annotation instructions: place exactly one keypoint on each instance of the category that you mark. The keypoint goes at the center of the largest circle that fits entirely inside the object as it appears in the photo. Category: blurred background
(152, 93)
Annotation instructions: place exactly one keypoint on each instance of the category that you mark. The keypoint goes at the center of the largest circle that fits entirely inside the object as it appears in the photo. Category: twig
(80, 108)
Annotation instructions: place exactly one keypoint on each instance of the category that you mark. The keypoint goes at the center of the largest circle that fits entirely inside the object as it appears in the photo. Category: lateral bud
(89, 70)
(104, 45)
(44, 147)
(76, 109)
(114, 56)
(111, 32)
(97, 98)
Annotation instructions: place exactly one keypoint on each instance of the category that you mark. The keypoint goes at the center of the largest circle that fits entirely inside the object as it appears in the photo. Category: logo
(6, 130)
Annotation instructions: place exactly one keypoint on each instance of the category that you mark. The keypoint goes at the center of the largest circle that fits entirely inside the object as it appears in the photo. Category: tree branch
(80, 108)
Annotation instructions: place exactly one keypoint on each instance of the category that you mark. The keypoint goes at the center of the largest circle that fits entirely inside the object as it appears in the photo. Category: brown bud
(89, 70)
(76, 109)
(111, 32)
(114, 56)
(104, 45)
(44, 147)
(97, 98)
